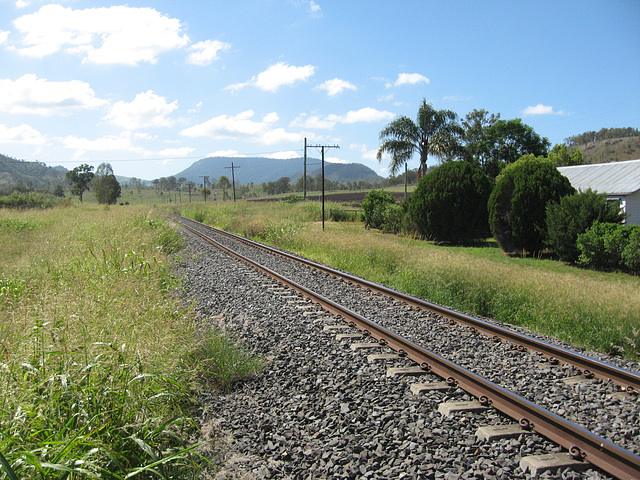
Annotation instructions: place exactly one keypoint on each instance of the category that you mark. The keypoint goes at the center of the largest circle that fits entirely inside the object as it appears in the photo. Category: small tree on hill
(561, 156)
(517, 205)
(450, 203)
(80, 178)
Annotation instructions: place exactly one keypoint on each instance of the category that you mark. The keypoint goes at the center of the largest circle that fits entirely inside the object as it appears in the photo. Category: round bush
(517, 205)
(450, 203)
(374, 206)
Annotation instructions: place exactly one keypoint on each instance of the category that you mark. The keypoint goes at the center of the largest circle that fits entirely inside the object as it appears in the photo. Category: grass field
(595, 310)
(100, 361)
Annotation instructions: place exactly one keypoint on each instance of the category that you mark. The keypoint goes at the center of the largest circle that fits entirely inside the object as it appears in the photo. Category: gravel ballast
(321, 410)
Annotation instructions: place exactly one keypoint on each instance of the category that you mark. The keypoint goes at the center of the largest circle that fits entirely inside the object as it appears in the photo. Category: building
(619, 180)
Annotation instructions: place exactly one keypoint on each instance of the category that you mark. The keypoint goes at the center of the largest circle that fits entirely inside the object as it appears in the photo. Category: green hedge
(610, 246)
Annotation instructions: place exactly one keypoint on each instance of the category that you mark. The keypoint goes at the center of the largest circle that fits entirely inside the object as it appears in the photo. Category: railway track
(582, 445)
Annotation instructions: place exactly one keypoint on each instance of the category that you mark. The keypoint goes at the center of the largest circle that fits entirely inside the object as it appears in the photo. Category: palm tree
(436, 133)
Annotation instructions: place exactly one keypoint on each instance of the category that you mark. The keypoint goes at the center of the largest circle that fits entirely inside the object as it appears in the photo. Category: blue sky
(152, 86)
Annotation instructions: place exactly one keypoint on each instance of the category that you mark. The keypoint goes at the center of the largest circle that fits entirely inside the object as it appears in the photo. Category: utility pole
(205, 179)
(406, 179)
(233, 179)
(323, 147)
(304, 177)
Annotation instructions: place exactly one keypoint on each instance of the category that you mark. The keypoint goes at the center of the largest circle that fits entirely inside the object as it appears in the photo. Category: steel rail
(626, 379)
(580, 443)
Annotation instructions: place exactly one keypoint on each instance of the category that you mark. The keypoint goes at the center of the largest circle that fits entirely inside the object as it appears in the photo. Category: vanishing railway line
(484, 366)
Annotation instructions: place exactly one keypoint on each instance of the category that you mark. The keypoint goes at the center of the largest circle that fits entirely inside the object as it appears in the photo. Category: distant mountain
(28, 174)
(611, 150)
(259, 170)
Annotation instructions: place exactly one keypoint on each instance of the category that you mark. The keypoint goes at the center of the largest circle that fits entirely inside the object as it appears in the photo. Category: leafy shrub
(292, 199)
(374, 206)
(631, 253)
(610, 246)
(393, 217)
(342, 215)
(593, 246)
(573, 215)
(30, 200)
(450, 203)
(517, 205)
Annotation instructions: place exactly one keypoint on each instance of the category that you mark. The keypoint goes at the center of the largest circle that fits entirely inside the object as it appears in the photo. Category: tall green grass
(100, 363)
(595, 310)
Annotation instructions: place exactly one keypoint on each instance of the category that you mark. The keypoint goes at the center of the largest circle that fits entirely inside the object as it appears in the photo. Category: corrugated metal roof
(615, 178)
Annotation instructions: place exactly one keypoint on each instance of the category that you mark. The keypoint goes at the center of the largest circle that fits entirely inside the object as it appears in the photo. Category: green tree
(450, 203)
(105, 185)
(508, 140)
(573, 215)
(436, 133)
(476, 124)
(80, 178)
(374, 208)
(561, 156)
(518, 202)
(224, 184)
(58, 191)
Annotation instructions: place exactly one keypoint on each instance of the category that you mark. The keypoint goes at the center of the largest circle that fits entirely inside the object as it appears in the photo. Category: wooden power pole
(323, 147)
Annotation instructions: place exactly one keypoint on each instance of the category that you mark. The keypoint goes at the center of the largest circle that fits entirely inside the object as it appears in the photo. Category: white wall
(633, 208)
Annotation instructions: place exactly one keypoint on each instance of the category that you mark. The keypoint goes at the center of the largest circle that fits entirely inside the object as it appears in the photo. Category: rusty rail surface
(580, 443)
(626, 379)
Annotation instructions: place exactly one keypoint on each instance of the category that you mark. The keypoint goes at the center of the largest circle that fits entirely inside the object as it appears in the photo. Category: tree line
(602, 134)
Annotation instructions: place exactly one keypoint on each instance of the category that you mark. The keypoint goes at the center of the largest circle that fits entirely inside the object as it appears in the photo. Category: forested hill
(607, 145)
(19, 173)
(259, 170)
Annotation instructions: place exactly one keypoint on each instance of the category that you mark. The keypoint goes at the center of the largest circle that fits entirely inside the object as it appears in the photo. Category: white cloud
(315, 122)
(4, 35)
(196, 109)
(112, 35)
(336, 86)
(121, 143)
(108, 143)
(410, 79)
(146, 110)
(225, 153)
(276, 76)
(365, 154)
(315, 8)
(24, 134)
(541, 109)
(284, 155)
(171, 152)
(364, 115)
(336, 160)
(39, 96)
(241, 127)
(204, 53)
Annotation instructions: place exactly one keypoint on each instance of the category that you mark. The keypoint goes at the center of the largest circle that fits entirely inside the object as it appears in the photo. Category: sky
(151, 86)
